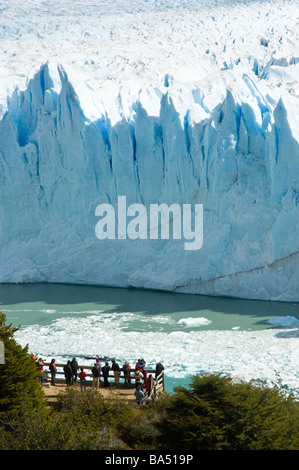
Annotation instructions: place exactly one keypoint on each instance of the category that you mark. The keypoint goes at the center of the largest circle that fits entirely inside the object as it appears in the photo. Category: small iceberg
(199, 321)
(288, 321)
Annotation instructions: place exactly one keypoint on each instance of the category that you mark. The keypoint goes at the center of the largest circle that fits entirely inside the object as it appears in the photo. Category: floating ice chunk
(199, 321)
(287, 321)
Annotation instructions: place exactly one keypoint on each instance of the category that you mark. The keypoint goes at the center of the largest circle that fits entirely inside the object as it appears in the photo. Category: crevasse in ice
(233, 150)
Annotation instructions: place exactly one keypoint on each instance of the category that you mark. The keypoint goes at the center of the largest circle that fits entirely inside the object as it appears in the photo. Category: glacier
(228, 140)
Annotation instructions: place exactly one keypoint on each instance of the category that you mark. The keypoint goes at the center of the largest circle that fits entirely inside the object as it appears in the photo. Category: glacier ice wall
(62, 154)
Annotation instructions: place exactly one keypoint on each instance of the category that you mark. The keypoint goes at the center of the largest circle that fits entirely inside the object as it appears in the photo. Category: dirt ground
(111, 393)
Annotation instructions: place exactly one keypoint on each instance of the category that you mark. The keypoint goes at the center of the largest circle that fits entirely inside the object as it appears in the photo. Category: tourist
(75, 367)
(41, 365)
(139, 394)
(105, 371)
(53, 370)
(96, 372)
(116, 369)
(149, 383)
(138, 378)
(98, 362)
(82, 377)
(138, 366)
(126, 370)
(143, 368)
(68, 373)
(159, 369)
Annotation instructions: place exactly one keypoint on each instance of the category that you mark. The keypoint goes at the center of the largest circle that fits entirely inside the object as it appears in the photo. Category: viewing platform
(114, 391)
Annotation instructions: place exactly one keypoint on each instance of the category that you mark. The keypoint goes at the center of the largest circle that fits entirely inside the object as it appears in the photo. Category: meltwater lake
(189, 334)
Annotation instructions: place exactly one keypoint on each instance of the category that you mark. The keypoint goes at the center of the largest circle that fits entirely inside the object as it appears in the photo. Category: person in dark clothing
(53, 370)
(105, 371)
(68, 373)
(126, 370)
(96, 372)
(159, 369)
(75, 367)
(139, 394)
(116, 370)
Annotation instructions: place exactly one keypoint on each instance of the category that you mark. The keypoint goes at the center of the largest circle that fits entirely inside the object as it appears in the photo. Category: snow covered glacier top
(189, 102)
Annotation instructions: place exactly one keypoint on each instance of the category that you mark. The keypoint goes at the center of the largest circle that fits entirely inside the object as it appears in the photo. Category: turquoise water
(25, 304)
(66, 320)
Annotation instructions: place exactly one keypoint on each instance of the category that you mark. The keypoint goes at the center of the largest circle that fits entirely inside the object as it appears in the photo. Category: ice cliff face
(62, 153)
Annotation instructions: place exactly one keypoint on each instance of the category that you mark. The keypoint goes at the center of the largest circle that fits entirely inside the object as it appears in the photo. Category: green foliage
(20, 386)
(138, 429)
(85, 421)
(218, 414)
(105, 424)
(28, 430)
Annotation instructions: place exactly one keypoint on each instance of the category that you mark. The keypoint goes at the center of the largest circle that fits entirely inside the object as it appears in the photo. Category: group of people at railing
(144, 382)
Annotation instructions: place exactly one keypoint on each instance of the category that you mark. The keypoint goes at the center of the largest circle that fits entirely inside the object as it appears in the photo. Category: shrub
(218, 414)
(97, 423)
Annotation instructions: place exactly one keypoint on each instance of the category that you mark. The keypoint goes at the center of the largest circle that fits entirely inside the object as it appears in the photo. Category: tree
(20, 386)
(218, 414)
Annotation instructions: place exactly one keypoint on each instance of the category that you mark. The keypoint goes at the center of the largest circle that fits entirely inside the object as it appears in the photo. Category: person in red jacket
(138, 366)
(82, 377)
(149, 383)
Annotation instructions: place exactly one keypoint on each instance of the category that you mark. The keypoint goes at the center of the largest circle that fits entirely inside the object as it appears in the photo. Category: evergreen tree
(19, 384)
(218, 414)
